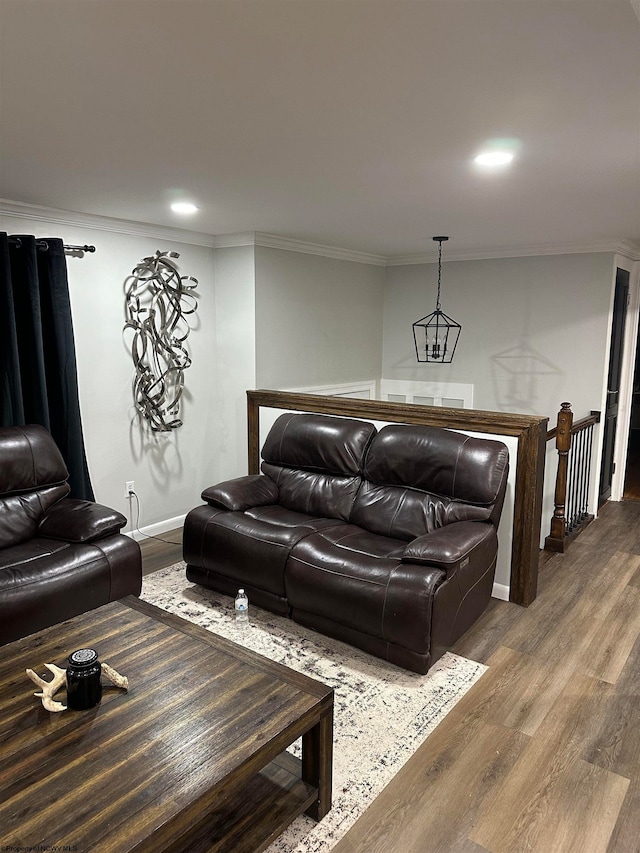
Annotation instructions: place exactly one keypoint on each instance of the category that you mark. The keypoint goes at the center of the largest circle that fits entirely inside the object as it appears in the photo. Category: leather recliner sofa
(59, 557)
(383, 539)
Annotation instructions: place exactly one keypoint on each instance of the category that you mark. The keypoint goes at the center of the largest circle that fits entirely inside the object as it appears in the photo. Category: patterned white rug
(382, 713)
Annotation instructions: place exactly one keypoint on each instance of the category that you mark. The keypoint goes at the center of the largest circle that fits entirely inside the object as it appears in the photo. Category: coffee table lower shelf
(257, 815)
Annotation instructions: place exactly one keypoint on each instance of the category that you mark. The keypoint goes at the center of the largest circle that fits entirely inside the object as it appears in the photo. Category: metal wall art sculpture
(158, 301)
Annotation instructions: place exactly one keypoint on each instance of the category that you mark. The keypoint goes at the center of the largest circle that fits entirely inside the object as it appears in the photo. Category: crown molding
(289, 244)
(628, 248)
(231, 241)
(39, 213)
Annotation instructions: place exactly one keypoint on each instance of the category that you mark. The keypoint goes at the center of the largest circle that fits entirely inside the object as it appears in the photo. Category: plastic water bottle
(242, 608)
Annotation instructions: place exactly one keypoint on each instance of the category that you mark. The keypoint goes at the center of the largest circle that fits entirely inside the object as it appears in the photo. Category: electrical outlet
(128, 488)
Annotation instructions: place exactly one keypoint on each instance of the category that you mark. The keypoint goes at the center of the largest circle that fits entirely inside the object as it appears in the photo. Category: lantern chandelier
(436, 335)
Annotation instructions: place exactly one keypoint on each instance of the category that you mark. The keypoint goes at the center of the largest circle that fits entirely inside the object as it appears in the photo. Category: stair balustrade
(574, 443)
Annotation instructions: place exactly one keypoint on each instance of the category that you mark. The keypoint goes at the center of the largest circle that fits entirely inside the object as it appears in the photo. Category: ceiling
(347, 123)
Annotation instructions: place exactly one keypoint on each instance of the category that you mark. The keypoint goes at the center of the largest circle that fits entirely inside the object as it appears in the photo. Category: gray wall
(169, 469)
(233, 370)
(534, 329)
(534, 334)
(318, 319)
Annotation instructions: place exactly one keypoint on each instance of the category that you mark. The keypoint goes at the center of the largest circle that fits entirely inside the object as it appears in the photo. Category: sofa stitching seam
(338, 544)
(212, 521)
(467, 593)
(333, 572)
(384, 606)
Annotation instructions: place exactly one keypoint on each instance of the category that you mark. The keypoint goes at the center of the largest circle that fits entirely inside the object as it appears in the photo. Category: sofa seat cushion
(282, 517)
(46, 561)
(356, 579)
(250, 550)
(43, 559)
(44, 581)
(30, 552)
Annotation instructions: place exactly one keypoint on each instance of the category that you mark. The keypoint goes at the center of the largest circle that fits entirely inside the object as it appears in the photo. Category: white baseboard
(156, 529)
(501, 591)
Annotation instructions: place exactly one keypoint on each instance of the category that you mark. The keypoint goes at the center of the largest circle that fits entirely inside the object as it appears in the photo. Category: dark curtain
(38, 376)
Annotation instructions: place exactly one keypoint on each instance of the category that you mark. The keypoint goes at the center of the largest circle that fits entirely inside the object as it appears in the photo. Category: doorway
(631, 490)
(616, 352)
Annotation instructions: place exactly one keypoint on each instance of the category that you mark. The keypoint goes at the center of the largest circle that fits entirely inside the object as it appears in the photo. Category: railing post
(253, 434)
(555, 540)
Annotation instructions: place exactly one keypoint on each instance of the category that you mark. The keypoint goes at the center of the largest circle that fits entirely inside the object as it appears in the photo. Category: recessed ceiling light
(493, 158)
(184, 207)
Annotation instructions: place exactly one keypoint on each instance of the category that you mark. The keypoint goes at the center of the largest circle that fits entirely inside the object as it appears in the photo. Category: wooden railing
(530, 431)
(574, 443)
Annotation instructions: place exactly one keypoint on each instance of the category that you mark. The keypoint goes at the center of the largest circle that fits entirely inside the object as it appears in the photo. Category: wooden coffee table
(190, 758)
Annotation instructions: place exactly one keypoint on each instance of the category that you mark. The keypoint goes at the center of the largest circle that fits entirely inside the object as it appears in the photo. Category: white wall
(169, 469)
(318, 319)
(234, 364)
(337, 305)
(534, 330)
(535, 333)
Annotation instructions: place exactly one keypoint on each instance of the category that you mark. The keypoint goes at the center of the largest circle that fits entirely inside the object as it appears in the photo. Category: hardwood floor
(158, 552)
(543, 753)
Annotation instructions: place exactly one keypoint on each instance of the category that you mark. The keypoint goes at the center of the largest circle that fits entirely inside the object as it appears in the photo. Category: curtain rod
(43, 245)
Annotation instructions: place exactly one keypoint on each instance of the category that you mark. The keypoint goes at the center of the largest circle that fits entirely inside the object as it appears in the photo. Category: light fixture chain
(436, 336)
(439, 273)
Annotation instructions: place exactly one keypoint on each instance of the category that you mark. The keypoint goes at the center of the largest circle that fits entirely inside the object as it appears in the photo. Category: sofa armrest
(242, 493)
(72, 520)
(451, 547)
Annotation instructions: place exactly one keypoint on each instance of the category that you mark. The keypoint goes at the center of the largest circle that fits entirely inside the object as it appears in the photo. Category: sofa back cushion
(316, 462)
(33, 477)
(419, 478)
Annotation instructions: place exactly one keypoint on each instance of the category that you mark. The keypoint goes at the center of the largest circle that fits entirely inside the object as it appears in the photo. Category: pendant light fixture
(436, 335)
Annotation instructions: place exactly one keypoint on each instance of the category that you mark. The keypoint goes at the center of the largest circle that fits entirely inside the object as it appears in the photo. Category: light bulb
(184, 207)
(493, 158)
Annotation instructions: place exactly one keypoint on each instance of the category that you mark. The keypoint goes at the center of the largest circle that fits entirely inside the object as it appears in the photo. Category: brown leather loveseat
(383, 539)
(58, 556)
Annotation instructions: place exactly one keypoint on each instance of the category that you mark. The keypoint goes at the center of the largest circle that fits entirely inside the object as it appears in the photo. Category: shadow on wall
(516, 374)
(409, 367)
(159, 449)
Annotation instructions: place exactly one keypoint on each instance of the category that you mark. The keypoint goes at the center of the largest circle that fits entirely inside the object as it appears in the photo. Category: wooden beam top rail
(583, 423)
(530, 430)
(577, 426)
(491, 423)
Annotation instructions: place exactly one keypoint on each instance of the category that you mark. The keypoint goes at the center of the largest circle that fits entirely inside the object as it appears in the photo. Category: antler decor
(48, 689)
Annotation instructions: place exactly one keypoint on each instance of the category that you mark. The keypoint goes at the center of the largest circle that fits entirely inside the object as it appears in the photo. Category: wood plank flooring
(159, 552)
(543, 753)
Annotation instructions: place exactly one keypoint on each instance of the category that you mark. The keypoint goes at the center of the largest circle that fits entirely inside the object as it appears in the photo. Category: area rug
(382, 713)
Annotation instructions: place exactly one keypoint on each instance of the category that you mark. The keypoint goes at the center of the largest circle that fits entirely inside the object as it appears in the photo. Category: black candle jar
(84, 688)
